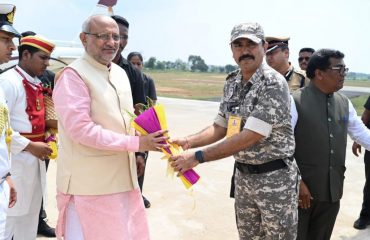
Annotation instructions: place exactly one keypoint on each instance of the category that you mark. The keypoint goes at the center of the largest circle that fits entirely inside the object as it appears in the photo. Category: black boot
(361, 223)
(146, 202)
(45, 230)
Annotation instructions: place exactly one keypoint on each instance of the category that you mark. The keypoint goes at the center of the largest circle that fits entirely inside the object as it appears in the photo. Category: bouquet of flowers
(152, 120)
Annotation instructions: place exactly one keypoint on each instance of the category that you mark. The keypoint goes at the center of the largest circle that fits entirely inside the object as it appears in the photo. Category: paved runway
(206, 212)
(355, 91)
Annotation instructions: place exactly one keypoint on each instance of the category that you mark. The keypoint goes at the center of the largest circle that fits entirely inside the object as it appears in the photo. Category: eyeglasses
(341, 69)
(300, 59)
(106, 36)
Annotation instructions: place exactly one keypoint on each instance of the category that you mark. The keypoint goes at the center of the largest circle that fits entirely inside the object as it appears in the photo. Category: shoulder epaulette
(232, 74)
(300, 72)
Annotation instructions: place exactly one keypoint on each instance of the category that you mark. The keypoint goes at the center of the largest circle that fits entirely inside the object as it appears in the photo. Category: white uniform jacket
(28, 172)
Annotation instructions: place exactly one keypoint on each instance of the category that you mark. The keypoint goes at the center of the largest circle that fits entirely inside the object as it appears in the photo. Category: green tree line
(194, 64)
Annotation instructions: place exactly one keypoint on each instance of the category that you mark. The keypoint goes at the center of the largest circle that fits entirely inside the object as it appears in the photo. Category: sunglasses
(300, 59)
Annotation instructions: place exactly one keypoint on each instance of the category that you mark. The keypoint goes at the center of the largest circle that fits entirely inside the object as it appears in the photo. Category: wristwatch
(199, 156)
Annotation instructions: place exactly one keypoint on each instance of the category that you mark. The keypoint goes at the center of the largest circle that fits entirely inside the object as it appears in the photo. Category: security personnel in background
(304, 56)
(277, 56)
(134, 75)
(136, 79)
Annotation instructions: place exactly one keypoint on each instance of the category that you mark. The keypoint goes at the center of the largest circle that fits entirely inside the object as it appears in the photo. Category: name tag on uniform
(233, 125)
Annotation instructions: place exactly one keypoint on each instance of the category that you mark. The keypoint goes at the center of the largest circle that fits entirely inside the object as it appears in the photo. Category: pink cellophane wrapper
(154, 119)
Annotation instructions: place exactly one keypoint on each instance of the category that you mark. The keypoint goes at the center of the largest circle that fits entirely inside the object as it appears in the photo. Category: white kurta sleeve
(357, 129)
(19, 143)
(293, 112)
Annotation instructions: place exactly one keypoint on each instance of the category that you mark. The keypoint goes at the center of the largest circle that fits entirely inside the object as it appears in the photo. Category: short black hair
(133, 54)
(307, 49)
(321, 60)
(121, 20)
(28, 33)
(29, 48)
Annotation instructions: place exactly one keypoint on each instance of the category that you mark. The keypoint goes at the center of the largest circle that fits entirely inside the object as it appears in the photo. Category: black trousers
(365, 211)
(141, 178)
(317, 222)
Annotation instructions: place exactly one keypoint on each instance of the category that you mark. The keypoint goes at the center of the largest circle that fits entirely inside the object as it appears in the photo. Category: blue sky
(172, 29)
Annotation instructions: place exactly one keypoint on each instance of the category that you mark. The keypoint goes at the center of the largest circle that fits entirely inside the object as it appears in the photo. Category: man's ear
(25, 54)
(83, 38)
(265, 45)
(286, 53)
(319, 74)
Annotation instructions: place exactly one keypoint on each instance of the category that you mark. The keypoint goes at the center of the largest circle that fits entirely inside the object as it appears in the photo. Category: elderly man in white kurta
(98, 194)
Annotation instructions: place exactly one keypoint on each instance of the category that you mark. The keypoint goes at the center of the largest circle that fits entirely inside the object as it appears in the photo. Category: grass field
(358, 103)
(208, 86)
(203, 86)
(357, 83)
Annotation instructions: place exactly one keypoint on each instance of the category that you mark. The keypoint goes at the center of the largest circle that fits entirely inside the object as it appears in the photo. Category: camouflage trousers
(266, 205)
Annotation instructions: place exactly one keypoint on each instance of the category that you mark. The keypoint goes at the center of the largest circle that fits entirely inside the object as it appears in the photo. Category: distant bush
(194, 64)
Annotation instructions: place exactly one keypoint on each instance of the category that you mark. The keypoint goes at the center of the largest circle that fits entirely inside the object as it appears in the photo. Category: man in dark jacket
(325, 117)
(134, 75)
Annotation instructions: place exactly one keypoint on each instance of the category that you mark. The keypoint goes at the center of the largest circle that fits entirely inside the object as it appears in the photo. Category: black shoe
(146, 202)
(361, 223)
(45, 230)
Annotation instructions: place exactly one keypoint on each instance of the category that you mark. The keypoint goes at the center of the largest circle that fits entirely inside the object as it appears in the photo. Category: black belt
(262, 168)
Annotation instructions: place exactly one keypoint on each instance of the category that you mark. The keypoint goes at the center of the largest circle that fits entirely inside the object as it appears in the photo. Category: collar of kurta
(95, 63)
(318, 91)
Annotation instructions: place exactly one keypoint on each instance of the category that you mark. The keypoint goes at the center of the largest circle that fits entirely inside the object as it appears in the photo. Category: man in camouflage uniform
(254, 115)
(277, 56)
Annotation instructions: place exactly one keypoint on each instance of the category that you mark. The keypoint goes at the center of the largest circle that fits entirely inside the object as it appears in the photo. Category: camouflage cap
(252, 31)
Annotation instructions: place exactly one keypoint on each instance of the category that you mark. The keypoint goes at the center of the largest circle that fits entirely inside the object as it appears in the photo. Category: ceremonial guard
(24, 94)
(8, 194)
